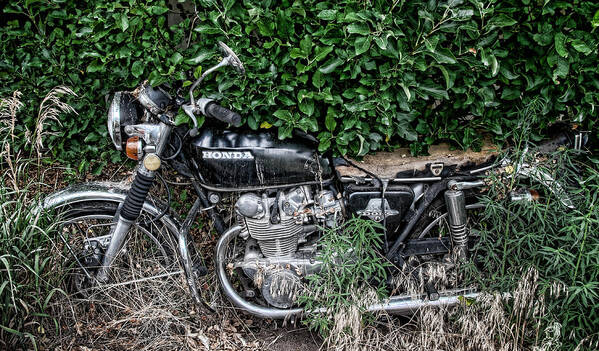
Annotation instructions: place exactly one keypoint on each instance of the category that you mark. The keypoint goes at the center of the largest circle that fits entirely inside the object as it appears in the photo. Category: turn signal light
(134, 148)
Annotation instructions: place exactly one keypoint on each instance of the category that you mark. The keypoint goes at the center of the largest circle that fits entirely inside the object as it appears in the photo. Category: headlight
(123, 111)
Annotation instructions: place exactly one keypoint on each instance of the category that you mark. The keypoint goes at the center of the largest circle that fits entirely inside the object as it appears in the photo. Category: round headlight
(123, 111)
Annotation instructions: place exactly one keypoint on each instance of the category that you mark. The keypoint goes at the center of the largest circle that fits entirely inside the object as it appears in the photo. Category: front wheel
(84, 230)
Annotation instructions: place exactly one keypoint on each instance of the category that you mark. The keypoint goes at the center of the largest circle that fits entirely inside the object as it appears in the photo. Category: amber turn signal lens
(134, 148)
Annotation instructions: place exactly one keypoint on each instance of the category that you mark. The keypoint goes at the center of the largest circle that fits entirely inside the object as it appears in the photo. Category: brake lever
(189, 110)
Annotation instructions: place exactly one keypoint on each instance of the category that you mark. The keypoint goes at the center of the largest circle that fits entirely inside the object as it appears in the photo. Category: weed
(350, 261)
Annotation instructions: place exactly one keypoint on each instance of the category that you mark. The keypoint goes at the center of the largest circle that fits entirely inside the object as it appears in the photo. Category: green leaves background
(363, 76)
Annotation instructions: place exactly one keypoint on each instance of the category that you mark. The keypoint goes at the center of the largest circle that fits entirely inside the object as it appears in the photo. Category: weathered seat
(400, 163)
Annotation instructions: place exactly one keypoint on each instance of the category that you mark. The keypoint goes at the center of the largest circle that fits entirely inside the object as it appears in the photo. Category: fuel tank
(237, 159)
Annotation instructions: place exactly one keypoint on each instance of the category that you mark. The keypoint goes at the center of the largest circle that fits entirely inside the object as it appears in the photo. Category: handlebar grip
(214, 110)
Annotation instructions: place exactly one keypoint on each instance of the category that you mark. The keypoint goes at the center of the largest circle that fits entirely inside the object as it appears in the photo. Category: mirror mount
(229, 59)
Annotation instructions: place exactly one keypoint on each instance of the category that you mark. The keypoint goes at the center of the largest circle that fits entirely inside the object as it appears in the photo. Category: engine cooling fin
(274, 239)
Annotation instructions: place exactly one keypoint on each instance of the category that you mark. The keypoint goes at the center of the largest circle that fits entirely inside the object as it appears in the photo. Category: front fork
(126, 216)
(133, 204)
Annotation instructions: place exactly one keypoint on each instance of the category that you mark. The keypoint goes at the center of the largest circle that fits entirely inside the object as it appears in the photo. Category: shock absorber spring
(455, 201)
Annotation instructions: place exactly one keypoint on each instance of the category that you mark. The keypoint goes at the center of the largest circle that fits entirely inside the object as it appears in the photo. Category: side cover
(236, 159)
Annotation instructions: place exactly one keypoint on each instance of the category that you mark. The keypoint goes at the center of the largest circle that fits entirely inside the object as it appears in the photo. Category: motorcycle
(284, 194)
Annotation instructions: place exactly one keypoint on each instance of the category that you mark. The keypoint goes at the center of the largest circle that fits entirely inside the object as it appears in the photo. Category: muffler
(400, 305)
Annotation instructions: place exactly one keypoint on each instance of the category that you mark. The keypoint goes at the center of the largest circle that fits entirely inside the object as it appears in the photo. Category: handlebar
(209, 108)
(214, 110)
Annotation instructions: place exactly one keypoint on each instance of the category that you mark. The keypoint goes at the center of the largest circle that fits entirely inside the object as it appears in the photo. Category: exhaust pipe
(401, 305)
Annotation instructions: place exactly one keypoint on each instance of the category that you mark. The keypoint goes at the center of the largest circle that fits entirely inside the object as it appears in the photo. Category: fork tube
(131, 209)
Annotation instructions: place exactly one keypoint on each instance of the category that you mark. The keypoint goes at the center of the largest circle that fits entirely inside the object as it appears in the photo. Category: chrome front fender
(104, 191)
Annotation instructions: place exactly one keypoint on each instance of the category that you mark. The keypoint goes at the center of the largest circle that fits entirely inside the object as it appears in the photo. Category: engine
(280, 232)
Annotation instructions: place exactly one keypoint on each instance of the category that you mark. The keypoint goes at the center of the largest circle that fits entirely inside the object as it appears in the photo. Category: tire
(148, 251)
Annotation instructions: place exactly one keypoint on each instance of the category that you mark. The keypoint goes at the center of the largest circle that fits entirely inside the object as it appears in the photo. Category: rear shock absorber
(455, 201)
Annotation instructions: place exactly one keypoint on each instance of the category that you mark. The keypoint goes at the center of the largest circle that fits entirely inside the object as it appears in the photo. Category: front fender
(105, 191)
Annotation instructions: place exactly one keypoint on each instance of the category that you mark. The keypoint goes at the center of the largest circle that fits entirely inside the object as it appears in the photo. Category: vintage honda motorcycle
(281, 195)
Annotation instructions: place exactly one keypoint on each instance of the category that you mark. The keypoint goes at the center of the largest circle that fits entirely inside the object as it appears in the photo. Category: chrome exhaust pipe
(402, 305)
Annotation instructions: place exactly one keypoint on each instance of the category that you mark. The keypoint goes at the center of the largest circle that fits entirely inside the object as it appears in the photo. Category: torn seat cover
(400, 163)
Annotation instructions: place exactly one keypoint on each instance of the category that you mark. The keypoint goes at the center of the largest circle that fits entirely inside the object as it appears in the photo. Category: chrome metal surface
(436, 169)
(455, 202)
(454, 185)
(103, 191)
(395, 304)
(479, 170)
(114, 121)
(224, 62)
(250, 205)
(117, 238)
(151, 133)
(201, 104)
(374, 210)
(392, 180)
(147, 98)
(438, 219)
(537, 173)
(230, 56)
(229, 290)
(404, 305)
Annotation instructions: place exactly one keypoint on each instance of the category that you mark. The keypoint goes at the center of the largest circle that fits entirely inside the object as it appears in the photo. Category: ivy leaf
(560, 44)
(206, 29)
(331, 65)
(200, 57)
(181, 118)
(501, 21)
(448, 79)
(406, 91)
(157, 10)
(137, 69)
(442, 55)
(595, 20)
(362, 44)
(307, 106)
(176, 58)
(330, 121)
(381, 42)
(95, 66)
(433, 91)
(283, 114)
(358, 28)
(562, 69)
(124, 23)
(489, 60)
(317, 80)
(327, 15)
(510, 93)
(321, 53)
(581, 46)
